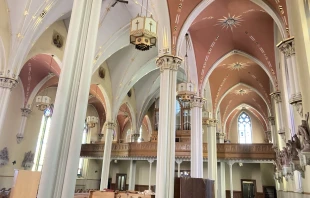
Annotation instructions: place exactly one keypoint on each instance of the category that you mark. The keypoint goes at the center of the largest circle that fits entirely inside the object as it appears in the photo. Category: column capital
(211, 122)
(268, 136)
(276, 96)
(25, 112)
(8, 83)
(110, 125)
(197, 102)
(272, 120)
(168, 62)
(151, 161)
(231, 163)
(220, 135)
(178, 161)
(287, 47)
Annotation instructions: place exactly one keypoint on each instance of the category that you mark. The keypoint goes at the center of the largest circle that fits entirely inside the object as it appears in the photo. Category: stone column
(179, 162)
(107, 155)
(212, 152)
(25, 114)
(150, 172)
(6, 86)
(132, 175)
(223, 180)
(64, 142)
(287, 47)
(196, 138)
(273, 129)
(277, 97)
(230, 163)
(168, 65)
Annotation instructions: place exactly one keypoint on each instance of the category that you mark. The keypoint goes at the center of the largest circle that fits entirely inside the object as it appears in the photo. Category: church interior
(154, 98)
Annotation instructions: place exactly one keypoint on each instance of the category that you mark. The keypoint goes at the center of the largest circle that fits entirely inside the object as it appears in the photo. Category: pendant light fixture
(143, 31)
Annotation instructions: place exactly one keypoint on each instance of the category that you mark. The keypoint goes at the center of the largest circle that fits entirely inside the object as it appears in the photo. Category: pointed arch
(248, 86)
(204, 4)
(244, 54)
(244, 128)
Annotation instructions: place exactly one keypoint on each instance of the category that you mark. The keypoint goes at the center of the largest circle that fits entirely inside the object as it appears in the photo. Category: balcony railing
(182, 150)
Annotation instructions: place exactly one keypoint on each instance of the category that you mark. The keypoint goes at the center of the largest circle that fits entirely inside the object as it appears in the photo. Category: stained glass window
(245, 129)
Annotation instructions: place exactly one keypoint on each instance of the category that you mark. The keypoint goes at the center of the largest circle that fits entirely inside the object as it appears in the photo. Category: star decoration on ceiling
(230, 22)
(242, 92)
(237, 66)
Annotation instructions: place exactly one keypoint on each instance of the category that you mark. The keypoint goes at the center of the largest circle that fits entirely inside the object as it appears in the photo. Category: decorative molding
(276, 96)
(220, 135)
(287, 47)
(19, 138)
(9, 83)
(28, 160)
(169, 62)
(304, 132)
(110, 125)
(211, 122)
(25, 112)
(4, 157)
(268, 136)
(197, 102)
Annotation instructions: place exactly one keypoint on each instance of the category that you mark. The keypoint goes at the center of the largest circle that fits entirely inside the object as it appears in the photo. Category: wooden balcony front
(182, 149)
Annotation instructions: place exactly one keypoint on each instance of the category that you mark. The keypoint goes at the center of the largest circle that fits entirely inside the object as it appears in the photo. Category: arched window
(42, 139)
(84, 140)
(244, 129)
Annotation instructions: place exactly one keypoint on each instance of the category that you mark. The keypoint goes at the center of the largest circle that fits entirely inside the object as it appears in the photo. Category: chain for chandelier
(186, 57)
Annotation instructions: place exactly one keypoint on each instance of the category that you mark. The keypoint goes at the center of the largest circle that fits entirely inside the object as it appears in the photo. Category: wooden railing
(149, 149)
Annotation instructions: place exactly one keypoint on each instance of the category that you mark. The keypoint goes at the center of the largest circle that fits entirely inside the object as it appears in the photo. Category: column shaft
(166, 134)
(132, 175)
(25, 114)
(63, 147)
(150, 172)
(231, 180)
(223, 180)
(196, 138)
(107, 156)
(6, 85)
(212, 153)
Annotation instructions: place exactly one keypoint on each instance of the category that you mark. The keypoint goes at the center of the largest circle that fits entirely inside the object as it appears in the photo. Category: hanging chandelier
(143, 31)
(186, 90)
(91, 121)
(43, 102)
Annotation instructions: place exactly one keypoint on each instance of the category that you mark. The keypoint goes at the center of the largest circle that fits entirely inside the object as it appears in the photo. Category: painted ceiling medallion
(237, 66)
(230, 22)
(242, 92)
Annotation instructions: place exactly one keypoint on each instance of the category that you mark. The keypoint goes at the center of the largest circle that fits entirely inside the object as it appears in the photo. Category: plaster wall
(258, 133)
(247, 171)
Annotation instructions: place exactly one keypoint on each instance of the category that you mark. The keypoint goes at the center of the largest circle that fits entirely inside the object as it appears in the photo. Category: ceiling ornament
(237, 66)
(242, 92)
(230, 22)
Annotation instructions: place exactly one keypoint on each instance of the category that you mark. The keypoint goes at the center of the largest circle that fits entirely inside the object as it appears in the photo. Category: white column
(230, 163)
(196, 138)
(64, 143)
(6, 86)
(273, 129)
(132, 175)
(107, 155)
(288, 48)
(168, 65)
(277, 97)
(25, 114)
(150, 172)
(179, 162)
(212, 152)
(223, 179)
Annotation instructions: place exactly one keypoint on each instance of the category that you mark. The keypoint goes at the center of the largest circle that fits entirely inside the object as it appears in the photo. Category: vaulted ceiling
(232, 40)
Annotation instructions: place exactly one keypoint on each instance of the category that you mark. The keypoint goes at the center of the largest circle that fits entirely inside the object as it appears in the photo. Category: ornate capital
(304, 132)
(178, 161)
(197, 102)
(211, 122)
(8, 83)
(110, 125)
(271, 120)
(19, 138)
(268, 136)
(287, 47)
(150, 161)
(4, 157)
(276, 96)
(25, 112)
(169, 62)
(28, 160)
(220, 135)
(296, 98)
